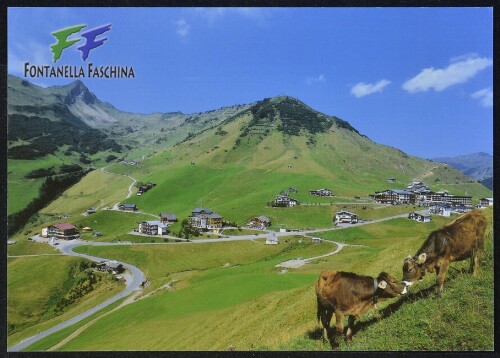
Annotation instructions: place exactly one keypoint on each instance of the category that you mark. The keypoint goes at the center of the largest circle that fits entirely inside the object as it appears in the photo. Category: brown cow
(349, 294)
(459, 240)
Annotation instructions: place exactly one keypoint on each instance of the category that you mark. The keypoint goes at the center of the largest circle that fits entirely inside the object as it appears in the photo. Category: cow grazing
(459, 240)
(349, 294)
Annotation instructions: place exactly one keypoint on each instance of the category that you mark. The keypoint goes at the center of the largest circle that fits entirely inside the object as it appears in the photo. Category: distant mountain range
(477, 165)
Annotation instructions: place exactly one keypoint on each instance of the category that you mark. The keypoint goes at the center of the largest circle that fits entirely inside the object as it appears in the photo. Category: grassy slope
(253, 307)
(32, 296)
(96, 189)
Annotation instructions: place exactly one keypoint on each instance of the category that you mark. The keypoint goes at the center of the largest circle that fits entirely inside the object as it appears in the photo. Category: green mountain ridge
(269, 145)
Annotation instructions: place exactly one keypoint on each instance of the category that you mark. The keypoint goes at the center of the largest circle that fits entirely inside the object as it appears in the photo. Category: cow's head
(413, 268)
(389, 287)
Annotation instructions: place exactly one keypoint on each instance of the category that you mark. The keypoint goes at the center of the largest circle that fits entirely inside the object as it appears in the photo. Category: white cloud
(485, 96)
(460, 71)
(364, 89)
(183, 27)
(320, 79)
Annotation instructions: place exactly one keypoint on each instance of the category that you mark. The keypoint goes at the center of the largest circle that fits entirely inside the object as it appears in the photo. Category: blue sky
(418, 79)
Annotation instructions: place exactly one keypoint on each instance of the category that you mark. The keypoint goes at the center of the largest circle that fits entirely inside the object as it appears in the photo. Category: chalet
(168, 218)
(321, 192)
(442, 210)
(272, 240)
(283, 200)
(345, 217)
(153, 227)
(96, 234)
(61, 231)
(113, 267)
(316, 239)
(86, 229)
(144, 188)
(91, 211)
(485, 202)
(391, 180)
(260, 222)
(292, 190)
(127, 207)
(206, 220)
(420, 218)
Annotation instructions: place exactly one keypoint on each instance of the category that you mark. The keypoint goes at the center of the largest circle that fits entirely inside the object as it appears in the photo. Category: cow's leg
(339, 329)
(350, 325)
(326, 318)
(325, 315)
(443, 269)
(475, 257)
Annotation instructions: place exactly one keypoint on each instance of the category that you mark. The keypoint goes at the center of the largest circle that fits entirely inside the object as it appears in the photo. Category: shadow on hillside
(393, 307)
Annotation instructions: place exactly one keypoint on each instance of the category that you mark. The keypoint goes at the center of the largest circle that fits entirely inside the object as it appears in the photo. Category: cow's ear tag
(382, 284)
(421, 258)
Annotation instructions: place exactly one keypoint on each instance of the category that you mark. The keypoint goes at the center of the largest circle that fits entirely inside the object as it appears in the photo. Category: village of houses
(207, 221)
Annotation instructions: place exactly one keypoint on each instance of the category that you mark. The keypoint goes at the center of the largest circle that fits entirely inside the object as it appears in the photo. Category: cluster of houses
(144, 188)
(284, 200)
(158, 227)
(206, 220)
(419, 194)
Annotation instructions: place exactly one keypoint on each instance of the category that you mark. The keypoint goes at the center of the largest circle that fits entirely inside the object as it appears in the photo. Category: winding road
(133, 283)
(136, 276)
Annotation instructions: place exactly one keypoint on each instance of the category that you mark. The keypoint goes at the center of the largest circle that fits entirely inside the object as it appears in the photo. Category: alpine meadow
(249, 179)
(230, 215)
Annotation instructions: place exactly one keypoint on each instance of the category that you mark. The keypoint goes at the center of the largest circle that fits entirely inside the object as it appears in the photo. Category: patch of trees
(46, 136)
(295, 116)
(40, 173)
(83, 159)
(220, 131)
(70, 168)
(45, 172)
(110, 158)
(50, 190)
(187, 231)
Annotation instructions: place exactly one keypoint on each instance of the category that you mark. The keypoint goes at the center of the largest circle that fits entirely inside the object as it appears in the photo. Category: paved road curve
(132, 284)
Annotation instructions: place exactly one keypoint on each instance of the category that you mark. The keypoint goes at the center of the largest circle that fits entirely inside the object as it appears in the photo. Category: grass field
(36, 287)
(250, 305)
(97, 189)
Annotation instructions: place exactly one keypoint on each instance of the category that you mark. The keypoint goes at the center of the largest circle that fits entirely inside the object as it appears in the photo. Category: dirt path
(134, 180)
(298, 263)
